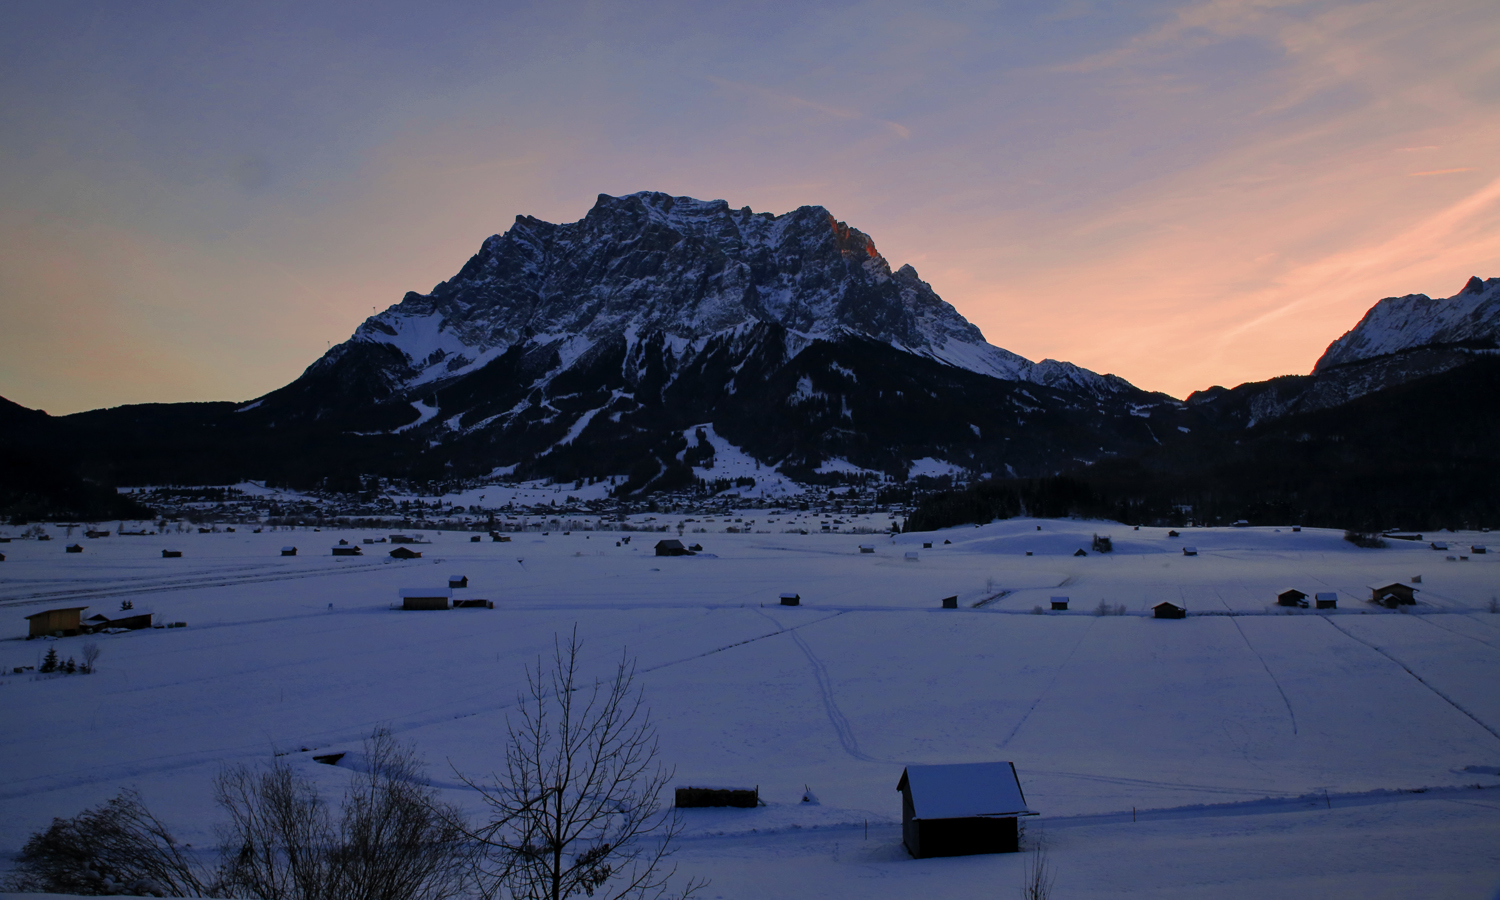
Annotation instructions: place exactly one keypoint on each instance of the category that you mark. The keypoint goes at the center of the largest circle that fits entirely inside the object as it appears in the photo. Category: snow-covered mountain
(654, 314)
(689, 270)
(1469, 319)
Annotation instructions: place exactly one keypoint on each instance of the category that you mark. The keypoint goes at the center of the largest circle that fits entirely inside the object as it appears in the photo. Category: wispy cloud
(1441, 172)
(792, 100)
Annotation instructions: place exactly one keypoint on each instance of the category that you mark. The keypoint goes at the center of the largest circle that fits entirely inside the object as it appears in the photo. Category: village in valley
(847, 708)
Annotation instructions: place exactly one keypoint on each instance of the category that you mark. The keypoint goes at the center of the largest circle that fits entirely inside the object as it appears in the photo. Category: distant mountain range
(599, 347)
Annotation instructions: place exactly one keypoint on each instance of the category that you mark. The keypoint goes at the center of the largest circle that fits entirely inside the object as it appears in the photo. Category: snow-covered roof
(426, 592)
(1388, 585)
(1325, 595)
(961, 790)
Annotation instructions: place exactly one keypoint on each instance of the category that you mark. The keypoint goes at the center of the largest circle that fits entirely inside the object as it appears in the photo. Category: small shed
(1166, 610)
(288, 551)
(473, 540)
(1393, 594)
(1173, 534)
(1080, 552)
(672, 547)
(1326, 600)
(1291, 597)
(1439, 545)
(791, 599)
(405, 553)
(1478, 549)
(694, 797)
(425, 598)
(927, 545)
(1059, 602)
(348, 551)
(866, 548)
(1189, 551)
(74, 548)
(961, 809)
(56, 621)
(458, 581)
(950, 602)
(171, 554)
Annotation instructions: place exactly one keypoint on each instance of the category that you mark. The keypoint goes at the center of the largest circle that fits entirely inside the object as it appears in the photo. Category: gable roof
(63, 609)
(962, 790)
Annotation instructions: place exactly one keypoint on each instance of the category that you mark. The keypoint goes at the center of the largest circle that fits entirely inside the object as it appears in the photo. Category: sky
(197, 200)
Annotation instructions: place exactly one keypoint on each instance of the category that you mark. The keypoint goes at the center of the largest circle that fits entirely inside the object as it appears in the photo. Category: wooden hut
(348, 551)
(1059, 602)
(1189, 551)
(962, 809)
(288, 551)
(1478, 549)
(695, 797)
(405, 553)
(791, 599)
(171, 554)
(64, 621)
(425, 598)
(74, 548)
(1166, 610)
(866, 548)
(458, 581)
(672, 547)
(950, 602)
(1393, 594)
(1326, 600)
(1291, 597)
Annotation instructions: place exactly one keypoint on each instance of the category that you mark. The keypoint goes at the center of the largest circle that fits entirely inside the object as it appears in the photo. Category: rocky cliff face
(1469, 319)
(656, 313)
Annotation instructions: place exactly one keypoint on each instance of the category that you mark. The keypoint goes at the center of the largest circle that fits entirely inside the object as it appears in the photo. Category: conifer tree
(49, 662)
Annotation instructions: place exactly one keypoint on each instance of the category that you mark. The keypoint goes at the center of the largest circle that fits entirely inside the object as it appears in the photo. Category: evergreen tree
(49, 662)
(70, 666)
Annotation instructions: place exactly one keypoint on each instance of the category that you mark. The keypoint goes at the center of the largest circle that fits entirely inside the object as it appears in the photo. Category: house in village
(961, 809)
(425, 598)
(64, 622)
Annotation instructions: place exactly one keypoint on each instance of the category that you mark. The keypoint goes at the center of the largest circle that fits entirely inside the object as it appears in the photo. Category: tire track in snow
(1451, 702)
(183, 585)
(836, 717)
(1269, 673)
(1427, 620)
(1048, 689)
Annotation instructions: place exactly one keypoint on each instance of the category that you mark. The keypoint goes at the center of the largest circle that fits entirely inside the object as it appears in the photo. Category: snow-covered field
(1265, 752)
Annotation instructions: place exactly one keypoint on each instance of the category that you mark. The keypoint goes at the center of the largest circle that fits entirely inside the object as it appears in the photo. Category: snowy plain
(1245, 751)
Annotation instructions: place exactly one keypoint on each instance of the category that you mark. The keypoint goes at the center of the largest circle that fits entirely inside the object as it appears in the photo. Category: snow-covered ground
(1265, 752)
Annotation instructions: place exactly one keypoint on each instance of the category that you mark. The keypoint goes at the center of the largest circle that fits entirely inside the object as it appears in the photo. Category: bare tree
(393, 840)
(578, 807)
(118, 848)
(90, 656)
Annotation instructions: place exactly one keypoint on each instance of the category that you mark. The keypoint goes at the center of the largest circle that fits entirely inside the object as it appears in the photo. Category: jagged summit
(1469, 319)
(652, 263)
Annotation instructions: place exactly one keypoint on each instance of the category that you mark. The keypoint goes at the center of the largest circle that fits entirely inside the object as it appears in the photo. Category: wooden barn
(348, 551)
(405, 553)
(1291, 597)
(425, 598)
(458, 581)
(1189, 551)
(74, 548)
(1326, 600)
(100, 621)
(1166, 610)
(171, 554)
(791, 599)
(866, 548)
(64, 621)
(672, 547)
(961, 809)
(1059, 602)
(1478, 549)
(1393, 594)
(288, 551)
(950, 602)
